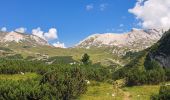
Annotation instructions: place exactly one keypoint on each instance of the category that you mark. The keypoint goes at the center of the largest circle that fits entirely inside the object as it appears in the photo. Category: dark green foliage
(151, 64)
(59, 81)
(164, 93)
(26, 46)
(140, 77)
(167, 73)
(119, 74)
(85, 59)
(136, 77)
(5, 49)
(29, 58)
(23, 90)
(131, 55)
(96, 72)
(8, 66)
(155, 76)
(63, 83)
(66, 84)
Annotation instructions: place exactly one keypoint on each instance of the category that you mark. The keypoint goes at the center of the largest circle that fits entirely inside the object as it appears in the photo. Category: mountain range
(135, 40)
(129, 40)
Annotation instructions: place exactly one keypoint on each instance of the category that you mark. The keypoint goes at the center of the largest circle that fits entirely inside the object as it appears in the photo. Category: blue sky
(73, 19)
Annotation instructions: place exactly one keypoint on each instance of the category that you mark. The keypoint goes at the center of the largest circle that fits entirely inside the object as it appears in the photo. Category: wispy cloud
(3, 29)
(116, 30)
(121, 25)
(89, 7)
(100, 7)
(59, 45)
(21, 30)
(103, 6)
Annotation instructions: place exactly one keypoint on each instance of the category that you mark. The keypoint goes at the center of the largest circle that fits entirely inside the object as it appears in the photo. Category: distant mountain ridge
(136, 40)
(7, 37)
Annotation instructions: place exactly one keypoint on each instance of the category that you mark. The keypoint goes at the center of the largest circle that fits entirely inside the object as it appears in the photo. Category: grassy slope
(142, 92)
(96, 54)
(104, 91)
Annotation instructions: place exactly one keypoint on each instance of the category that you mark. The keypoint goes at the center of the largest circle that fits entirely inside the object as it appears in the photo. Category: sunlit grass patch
(142, 92)
(101, 91)
(18, 76)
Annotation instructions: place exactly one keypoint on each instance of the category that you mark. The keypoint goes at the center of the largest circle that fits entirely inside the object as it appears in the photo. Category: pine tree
(85, 58)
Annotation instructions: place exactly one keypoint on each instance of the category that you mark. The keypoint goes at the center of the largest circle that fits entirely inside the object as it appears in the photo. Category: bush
(61, 84)
(167, 73)
(155, 76)
(14, 66)
(97, 73)
(66, 84)
(23, 90)
(164, 93)
(136, 77)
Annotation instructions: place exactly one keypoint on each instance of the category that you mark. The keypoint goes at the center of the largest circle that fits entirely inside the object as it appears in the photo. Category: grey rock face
(161, 51)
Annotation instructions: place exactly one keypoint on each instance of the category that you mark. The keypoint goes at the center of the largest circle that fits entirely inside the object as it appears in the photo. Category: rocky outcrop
(160, 52)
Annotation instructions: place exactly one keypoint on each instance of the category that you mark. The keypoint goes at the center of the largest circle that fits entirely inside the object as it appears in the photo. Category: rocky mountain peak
(7, 37)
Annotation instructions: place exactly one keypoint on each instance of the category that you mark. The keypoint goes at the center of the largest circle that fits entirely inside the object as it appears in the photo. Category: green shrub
(66, 84)
(61, 84)
(164, 93)
(23, 90)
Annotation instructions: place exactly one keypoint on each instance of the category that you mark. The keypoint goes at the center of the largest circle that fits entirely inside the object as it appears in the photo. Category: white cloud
(38, 32)
(21, 30)
(103, 6)
(3, 29)
(89, 7)
(51, 34)
(59, 45)
(152, 13)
